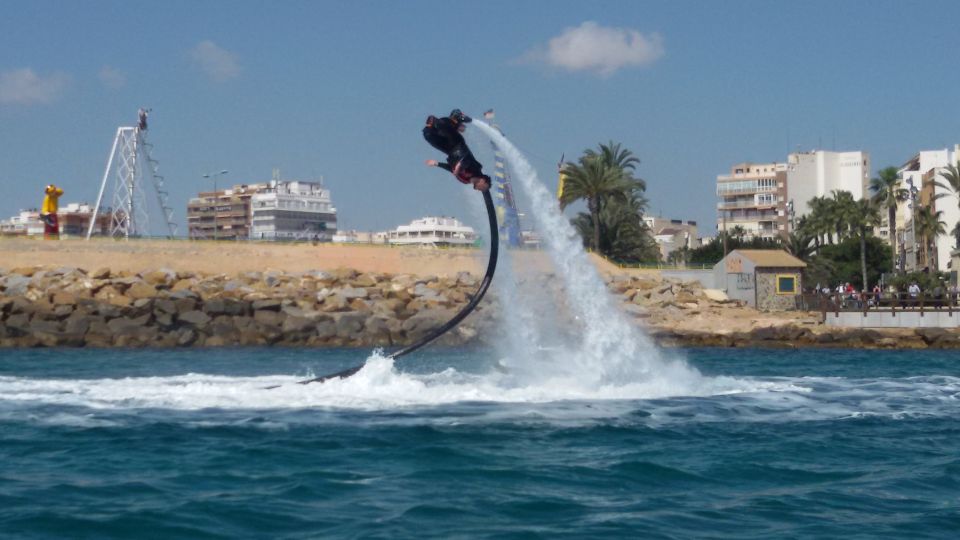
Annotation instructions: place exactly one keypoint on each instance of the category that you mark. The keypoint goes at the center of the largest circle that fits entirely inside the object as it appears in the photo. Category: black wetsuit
(443, 135)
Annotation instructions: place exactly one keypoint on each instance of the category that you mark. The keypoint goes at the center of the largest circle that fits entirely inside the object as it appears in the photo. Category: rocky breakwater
(55, 307)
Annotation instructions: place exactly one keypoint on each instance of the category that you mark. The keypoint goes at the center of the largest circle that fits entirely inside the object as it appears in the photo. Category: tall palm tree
(592, 179)
(842, 212)
(863, 215)
(820, 221)
(951, 173)
(930, 225)
(888, 194)
(619, 158)
(799, 243)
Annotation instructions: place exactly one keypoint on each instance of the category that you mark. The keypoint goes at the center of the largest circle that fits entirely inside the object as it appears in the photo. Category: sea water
(189, 444)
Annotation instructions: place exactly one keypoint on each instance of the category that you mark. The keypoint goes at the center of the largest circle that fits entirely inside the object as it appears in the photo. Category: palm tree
(619, 158)
(624, 237)
(737, 232)
(799, 243)
(819, 218)
(888, 194)
(593, 179)
(842, 211)
(930, 226)
(862, 216)
(951, 174)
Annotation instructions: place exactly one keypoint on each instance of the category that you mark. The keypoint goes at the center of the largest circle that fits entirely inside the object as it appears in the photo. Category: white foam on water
(378, 386)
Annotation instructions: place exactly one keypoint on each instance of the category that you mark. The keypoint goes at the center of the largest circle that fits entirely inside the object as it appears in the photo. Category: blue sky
(340, 90)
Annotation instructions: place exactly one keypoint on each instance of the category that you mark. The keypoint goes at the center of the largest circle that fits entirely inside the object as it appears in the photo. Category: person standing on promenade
(913, 290)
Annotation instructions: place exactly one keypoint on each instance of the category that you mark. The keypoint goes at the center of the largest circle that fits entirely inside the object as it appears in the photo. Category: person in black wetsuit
(444, 134)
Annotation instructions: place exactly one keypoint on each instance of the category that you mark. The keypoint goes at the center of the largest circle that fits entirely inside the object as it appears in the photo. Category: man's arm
(442, 165)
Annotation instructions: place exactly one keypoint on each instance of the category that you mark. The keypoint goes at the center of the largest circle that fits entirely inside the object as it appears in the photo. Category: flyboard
(462, 314)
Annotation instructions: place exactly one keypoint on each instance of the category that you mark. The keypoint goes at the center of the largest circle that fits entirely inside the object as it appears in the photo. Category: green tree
(930, 225)
(593, 180)
(619, 158)
(843, 262)
(819, 221)
(800, 244)
(624, 237)
(842, 212)
(888, 194)
(951, 174)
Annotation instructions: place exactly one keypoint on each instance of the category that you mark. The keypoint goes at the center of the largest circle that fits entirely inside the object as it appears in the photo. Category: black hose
(482, 290)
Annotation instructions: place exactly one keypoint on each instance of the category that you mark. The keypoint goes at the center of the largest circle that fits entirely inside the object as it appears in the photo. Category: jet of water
(611, 350)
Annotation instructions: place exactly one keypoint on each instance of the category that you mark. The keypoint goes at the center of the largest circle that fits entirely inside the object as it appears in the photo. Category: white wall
(818, 174)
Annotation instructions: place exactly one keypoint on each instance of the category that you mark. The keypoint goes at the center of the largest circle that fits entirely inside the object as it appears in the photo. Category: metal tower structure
(507, 215)
(130, 163)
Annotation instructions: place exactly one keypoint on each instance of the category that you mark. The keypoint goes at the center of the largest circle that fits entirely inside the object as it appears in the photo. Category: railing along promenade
(884, 302)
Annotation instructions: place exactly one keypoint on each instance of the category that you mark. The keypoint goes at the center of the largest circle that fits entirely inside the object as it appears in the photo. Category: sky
(340, 90)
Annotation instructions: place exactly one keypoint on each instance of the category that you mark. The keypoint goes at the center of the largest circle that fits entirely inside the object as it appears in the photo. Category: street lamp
(216, 198)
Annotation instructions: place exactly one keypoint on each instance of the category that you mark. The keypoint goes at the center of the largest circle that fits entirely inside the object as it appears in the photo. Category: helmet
(458, 116)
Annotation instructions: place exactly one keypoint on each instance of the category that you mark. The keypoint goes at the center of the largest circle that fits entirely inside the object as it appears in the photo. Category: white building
(359, 237)
(927, 164)
(433, 231)
(757, 196)
(27, 222)
(293, 211)
(74, 220)
(672, 234)
(819, 173)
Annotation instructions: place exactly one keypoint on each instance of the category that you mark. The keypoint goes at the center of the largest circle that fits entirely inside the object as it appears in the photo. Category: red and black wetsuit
(443, 135)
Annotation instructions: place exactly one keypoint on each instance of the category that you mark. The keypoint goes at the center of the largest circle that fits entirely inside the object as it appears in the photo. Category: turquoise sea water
(188, 444)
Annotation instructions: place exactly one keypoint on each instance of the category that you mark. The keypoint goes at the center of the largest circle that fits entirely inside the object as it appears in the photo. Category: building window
(787, 284)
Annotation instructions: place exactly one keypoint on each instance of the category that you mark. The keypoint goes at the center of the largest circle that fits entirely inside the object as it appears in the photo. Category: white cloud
(603, 50)
(218, 63)
(25, 87)
(112, 77)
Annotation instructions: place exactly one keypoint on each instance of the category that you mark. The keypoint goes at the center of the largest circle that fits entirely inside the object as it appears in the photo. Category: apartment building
(765, 199)
(224, 214)
(819, 173)
(920, 175)
(753, 197)
(293, 210)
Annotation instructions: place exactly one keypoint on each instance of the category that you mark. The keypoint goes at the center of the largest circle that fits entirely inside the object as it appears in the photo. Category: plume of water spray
(612, 350)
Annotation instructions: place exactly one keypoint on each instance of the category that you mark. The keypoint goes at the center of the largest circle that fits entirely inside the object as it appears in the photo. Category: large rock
(425, 321)
(140, 290)
(349, 324)
(15, 284)
(350, 293)
(195, 318)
